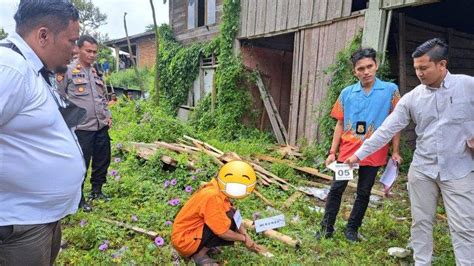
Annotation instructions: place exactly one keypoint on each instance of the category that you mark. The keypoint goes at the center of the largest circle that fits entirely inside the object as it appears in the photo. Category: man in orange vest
(208, 219)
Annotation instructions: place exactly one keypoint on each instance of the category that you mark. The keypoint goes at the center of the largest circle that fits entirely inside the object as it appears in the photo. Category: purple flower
(173, 202)
(193, 177)
(159, 241)
(104, 246)
(113, 172)
(119, 146)
(255, 215)
(166, 184)
(82, 223)
(173, 182)
(134, 218)
(117, 178)
(117, 160)
(189, 189)
(168, 223)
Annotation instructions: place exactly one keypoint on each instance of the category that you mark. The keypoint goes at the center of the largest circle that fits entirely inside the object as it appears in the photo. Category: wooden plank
(244, 5)
(282, 15)
(278, 117)
(351, 30)
(252, 13)
(271, 114)
(402, 59)
(306, 12)
(319, 75)
(274, 108)
(346, 8)
(392, 4)
(293, 13)
(320, 11)
(304, 81)
(260, 19)
(291, 200)
(271, 16)
(313, 55)
(291, 119)
(334, 9)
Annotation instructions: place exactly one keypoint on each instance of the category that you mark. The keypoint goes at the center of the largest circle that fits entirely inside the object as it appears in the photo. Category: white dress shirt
(444, 119)
(41, 166)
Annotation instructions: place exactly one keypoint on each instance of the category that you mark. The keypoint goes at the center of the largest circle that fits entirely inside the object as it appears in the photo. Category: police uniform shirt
(86, 89)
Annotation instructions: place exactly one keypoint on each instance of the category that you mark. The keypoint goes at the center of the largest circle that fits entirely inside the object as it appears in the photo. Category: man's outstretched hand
(352, 160)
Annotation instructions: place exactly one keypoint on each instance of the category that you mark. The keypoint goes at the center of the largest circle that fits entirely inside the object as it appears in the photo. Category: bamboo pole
(149, 233)
(272, 234)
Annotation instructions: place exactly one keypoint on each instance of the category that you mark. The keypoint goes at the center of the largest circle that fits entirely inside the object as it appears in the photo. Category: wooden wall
(178, 20)
(263, 17)
(410, 34)
(315, 50)
(275, 69)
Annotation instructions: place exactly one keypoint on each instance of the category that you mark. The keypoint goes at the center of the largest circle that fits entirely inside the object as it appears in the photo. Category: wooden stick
(287, 204)
(312, 183)
(314, 172)
(308, 170)
(151, 234)
(173, 147)
(214, 149)
(268, 202)
(265, 172)
(274, 235)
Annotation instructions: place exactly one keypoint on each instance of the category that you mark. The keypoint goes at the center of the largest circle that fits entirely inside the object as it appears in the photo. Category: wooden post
(157, 56)
(117, 58)
(142, 89)
(213, 92)
(402, 57)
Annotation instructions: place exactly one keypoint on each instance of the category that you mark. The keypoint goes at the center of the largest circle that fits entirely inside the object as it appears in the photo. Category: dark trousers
(365, 183)
(30, 244)
(210, 240)
(96, 145)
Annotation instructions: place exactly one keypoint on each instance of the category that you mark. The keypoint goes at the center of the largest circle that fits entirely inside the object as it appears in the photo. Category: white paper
(237, 218)
(269, 223)
(389, 175)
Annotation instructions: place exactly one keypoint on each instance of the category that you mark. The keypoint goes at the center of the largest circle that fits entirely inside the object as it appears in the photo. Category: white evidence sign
(343, 171)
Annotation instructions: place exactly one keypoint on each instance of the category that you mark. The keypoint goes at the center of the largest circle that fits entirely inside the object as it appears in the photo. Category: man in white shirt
(442, 108)
(41, 166)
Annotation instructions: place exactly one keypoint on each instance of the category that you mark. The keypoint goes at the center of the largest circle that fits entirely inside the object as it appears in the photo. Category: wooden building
(292, 42)
(143, 48)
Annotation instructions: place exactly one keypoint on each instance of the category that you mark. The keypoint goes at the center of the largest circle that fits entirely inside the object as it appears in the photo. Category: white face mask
(235, 189)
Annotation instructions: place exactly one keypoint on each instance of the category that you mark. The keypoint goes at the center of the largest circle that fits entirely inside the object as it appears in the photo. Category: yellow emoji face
(236, 179)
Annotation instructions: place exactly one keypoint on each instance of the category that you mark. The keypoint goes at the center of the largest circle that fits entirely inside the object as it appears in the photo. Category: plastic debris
(398, 252)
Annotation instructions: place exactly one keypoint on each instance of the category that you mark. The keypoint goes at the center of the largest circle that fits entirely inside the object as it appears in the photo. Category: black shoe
(85, 206)
(351, 235)
(98, 195)
(323, 234)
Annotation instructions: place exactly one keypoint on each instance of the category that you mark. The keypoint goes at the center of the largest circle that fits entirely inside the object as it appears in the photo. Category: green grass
(140, 192)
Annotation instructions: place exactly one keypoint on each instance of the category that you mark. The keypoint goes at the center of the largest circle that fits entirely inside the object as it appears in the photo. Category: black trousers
(365, 183)
(36, 244)
(210, 240)
(96, 145)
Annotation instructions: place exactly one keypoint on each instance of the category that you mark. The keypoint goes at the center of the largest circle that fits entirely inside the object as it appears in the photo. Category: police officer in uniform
(82, 85)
